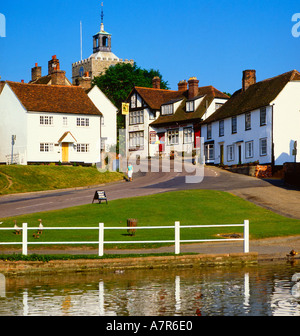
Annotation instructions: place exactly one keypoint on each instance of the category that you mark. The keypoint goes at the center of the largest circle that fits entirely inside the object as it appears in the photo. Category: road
(277, 198)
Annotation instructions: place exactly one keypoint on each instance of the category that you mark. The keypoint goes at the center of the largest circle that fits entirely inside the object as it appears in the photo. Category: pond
(265, 289)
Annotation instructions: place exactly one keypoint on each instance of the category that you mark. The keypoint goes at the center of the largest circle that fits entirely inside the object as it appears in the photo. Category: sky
(211, 40)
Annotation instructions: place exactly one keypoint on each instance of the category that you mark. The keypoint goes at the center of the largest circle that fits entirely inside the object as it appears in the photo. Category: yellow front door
(65, 152)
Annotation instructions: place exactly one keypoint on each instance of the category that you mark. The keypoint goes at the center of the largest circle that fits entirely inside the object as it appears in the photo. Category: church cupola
(102, 40)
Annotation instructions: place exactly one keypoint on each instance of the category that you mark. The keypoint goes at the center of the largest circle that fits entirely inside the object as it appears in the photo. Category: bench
(100, 196)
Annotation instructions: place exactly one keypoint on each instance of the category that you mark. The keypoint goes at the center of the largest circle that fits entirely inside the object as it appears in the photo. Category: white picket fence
(101, 241)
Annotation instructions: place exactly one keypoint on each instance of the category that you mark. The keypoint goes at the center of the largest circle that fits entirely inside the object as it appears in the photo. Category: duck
(293, 253)
(17, 229)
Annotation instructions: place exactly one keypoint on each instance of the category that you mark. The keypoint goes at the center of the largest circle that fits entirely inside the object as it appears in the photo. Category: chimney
(36, 73)
(85, 82)
(182, 85)
(58, 77)
(249, 78)
(53, 65)
(193, 87)
(156, 83)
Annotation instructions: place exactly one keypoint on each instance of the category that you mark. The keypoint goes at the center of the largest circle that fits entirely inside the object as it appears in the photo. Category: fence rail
(101, 241)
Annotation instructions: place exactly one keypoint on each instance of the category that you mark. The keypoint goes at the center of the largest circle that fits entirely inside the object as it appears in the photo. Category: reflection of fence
(177, 228)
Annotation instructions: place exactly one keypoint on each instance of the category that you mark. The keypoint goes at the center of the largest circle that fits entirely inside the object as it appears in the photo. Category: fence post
(246, 236)
(177, 237)
(101, 239)
(24, 239)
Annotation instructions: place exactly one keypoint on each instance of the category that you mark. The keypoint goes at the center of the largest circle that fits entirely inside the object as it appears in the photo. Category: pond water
(257, 290)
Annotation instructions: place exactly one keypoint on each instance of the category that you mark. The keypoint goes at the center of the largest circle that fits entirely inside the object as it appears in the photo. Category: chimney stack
(36, 73)
(58, 77)
(53, 65)
(85, 82)
(249, 78)
(182, 85)
(156, 83)
(193, 87)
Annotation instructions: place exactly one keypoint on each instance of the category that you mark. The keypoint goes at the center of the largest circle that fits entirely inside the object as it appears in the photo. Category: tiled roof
(154, 98)
(54, 98)
(209, 93)
(256, 96)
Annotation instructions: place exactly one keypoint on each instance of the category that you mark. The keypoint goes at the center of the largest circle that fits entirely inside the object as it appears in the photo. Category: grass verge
(15, 179)
(189, 207)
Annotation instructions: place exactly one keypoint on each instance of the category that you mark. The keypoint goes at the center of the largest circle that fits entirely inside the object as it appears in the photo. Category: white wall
(52, 133)
(287, 123)
(240, 138)
(109, 111)
(12, 122)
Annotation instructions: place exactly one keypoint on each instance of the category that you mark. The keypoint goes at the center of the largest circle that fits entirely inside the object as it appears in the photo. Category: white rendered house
(49, 124)
(260, 123)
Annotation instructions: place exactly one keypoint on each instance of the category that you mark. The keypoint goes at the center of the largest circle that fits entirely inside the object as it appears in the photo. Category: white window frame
(167, 109)
(136, 140)
(249, 149)
(263, 116)
(136, 117)
(221, 128)
(218, 105)
(209, 131)
(188, 135)
(133, 101)
(234, 125)
(190, 106)
(82, 148)
(263, 146)
(65, 121)
(46, 147)
(247, 121)
(173, 137)
(46, 120)
(82, 122)
(230, 153)
(209, 152)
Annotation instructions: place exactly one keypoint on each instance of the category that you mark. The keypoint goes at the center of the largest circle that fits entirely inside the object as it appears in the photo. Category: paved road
(264, 193)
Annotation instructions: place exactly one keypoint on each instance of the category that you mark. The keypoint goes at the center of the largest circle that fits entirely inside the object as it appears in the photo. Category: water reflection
(259, 290)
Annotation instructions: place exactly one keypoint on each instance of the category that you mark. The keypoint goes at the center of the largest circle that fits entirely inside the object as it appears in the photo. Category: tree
(120, 79)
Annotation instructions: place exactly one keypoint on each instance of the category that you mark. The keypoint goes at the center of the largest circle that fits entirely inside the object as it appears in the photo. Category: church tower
(101, 59)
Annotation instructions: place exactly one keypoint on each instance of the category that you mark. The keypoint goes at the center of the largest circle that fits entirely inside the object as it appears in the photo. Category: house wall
(109, 122)
(240, 138)
(13, 122)
(51, 134)
(144, 150)
(287, 123)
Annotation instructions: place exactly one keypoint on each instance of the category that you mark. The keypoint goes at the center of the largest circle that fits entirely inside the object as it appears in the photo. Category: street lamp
(13, 141)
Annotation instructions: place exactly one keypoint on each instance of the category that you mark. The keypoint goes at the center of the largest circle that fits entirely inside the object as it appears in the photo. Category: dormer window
(190, 106)
(167, 109)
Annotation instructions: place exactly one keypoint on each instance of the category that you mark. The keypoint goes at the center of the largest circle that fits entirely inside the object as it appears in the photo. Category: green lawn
(38, 178)
(189, 207)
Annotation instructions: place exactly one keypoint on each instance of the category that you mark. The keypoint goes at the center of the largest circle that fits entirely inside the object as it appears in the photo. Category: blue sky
(212, 40)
